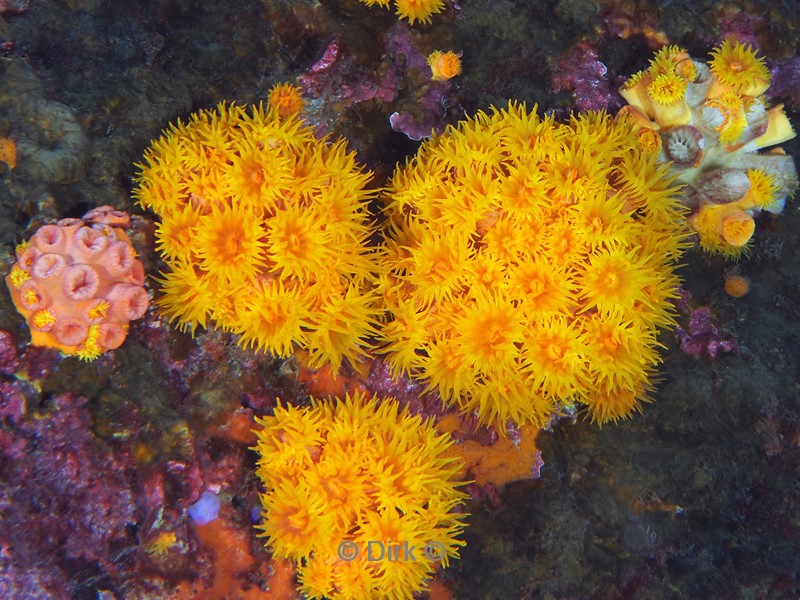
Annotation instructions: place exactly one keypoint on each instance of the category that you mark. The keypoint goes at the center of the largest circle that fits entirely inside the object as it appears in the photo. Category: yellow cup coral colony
(411, 10)
(529, 265)
(264, 229)
(78, 284)
(711, 121)
(361, 495)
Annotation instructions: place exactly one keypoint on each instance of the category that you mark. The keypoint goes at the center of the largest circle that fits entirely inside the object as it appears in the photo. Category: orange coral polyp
(418, 10)
(738, 67)
(667, 89)
(230, 243)
(111, 335)
(444, 65)
(127, 302)
(30, 297)
(42, 320)
(737, 227)
(736, 286)
(286, 99)
(118, 259)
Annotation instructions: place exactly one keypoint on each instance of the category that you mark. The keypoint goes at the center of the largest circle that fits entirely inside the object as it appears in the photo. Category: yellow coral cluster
(411, 10)
(264, 229)
(354, 480)
(711, 121)
(529, 265)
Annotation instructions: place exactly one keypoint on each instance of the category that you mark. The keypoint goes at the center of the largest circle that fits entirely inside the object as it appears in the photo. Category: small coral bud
(162, 543)
(99, 309)
(736, 286)
(18, 276)
(444, 65)
(31, 297)
(737, 227)
(286, 99)
(43, 320)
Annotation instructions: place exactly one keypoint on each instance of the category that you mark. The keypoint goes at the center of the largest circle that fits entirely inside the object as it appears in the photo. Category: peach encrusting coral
(78, 284)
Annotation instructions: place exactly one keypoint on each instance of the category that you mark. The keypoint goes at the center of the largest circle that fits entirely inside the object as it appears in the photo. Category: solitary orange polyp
(444, 65)
(286, 99)
(8, 152)
(736, 285)
(737, 227)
